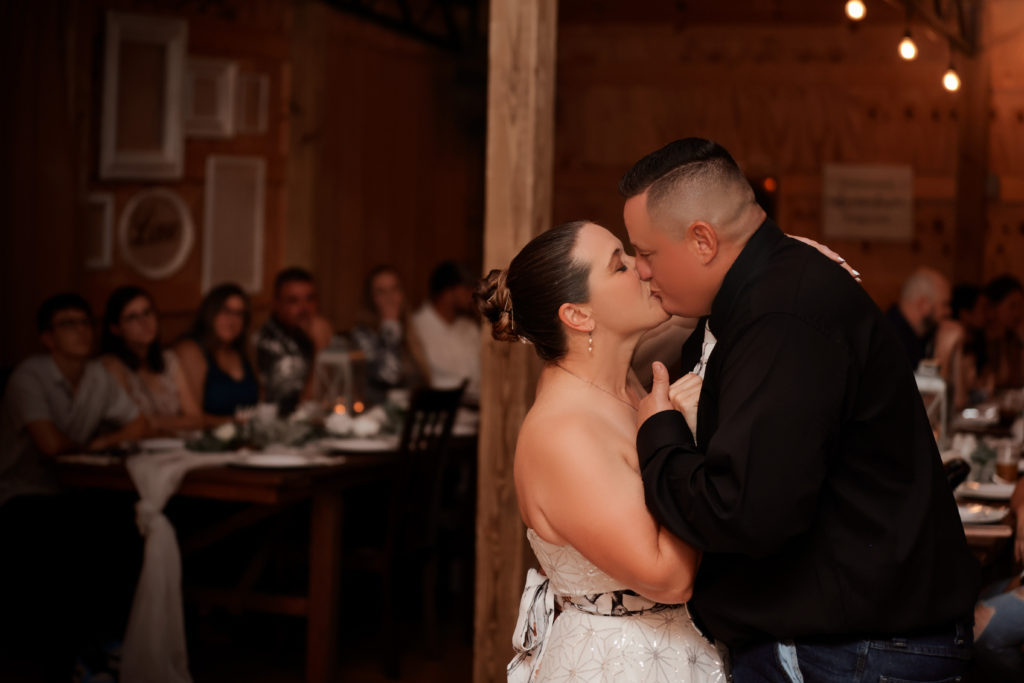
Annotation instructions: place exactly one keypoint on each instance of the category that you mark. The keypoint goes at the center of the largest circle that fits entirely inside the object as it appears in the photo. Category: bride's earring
(590, 342)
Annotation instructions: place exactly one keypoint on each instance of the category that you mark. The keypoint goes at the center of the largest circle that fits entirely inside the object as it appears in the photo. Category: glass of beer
(1007, 460)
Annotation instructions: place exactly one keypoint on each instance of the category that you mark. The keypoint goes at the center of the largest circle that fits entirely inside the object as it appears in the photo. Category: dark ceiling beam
(957, 20)
(402, 18)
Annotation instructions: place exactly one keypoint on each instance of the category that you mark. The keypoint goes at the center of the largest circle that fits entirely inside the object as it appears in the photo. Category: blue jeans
(1000, 616)
(941, 658)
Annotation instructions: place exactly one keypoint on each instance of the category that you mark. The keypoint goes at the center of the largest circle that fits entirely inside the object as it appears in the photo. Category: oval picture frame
(156, 233)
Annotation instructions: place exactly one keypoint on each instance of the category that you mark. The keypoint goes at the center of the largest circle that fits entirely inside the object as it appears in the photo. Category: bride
(617, 578)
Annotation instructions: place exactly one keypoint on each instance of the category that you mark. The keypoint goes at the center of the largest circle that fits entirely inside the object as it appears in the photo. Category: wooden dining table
(265, 493)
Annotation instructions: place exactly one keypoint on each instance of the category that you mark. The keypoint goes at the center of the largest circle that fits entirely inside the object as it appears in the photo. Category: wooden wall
(787, 87)
(52, 149)
(375, 154)
(389, 157)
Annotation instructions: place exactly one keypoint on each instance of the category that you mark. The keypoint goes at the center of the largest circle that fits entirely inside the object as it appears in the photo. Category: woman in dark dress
(213, 353)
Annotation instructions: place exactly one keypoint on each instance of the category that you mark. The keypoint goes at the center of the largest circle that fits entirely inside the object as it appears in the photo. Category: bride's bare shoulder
(559, 432)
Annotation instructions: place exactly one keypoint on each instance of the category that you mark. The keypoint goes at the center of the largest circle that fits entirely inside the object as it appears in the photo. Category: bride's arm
(591, 498)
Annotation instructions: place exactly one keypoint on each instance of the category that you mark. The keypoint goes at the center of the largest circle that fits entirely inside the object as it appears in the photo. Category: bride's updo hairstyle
(522, 302)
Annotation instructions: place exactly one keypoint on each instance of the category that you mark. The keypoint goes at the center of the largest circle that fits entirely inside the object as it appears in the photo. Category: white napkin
(154, 642)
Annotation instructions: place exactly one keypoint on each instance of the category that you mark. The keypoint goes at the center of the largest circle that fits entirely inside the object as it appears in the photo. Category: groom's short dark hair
(686, 156)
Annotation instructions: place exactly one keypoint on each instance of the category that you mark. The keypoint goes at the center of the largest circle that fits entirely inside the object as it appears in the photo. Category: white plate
(975, 513)
(374, 444)
(168, 444)
(986, 490)
(277, 460)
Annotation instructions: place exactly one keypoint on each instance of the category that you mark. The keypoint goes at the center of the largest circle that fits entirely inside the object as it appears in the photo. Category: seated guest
(149, 373)
(923, 304)
(213, 353)
(58, 402)
(287, 344)
(448, 330)
(1005, 346)
(970, 311)
(394, 356)
(999, 615)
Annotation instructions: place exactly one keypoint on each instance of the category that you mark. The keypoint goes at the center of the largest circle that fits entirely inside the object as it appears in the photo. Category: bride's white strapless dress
(604, 631)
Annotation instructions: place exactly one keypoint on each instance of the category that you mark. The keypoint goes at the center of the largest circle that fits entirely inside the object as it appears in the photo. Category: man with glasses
(59, 402)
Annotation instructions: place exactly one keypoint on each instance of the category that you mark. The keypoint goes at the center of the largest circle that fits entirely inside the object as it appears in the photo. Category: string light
(951, 80)
(908, 48)
(855, 9)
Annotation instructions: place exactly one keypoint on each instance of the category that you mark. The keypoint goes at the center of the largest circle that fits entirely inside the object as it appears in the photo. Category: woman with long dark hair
(151, 374)
(213, 353)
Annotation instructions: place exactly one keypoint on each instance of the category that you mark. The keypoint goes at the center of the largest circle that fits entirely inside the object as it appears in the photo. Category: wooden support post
(520, 144)
(973, 108)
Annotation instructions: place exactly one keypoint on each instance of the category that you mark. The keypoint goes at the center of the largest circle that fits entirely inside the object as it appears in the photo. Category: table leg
(324, 580)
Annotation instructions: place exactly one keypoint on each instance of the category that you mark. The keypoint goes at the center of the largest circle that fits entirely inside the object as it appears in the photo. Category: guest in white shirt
(55, 403)
(449, 331)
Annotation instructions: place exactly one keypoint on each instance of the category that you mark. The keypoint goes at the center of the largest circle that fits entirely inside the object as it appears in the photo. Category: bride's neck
(607, 365)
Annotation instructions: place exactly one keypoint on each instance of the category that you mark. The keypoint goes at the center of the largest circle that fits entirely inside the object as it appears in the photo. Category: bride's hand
(829, 253)
(685, 394)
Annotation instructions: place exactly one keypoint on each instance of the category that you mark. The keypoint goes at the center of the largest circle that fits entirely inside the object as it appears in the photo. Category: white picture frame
(252, 101)
(210, 98)
(233, 221)
(156, 233)
(99, 226)
(141, 129)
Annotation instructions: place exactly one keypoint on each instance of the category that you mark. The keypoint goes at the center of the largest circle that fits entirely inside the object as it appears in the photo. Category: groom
(832, 545)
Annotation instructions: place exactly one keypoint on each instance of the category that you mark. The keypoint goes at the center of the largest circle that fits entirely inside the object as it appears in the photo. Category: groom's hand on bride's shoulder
(658, 400)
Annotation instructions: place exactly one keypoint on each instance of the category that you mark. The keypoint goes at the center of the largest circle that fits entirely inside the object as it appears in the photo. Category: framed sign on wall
(156, 233)
(868, 202)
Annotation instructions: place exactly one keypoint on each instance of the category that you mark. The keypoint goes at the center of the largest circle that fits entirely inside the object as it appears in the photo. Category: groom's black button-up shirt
(814, 485)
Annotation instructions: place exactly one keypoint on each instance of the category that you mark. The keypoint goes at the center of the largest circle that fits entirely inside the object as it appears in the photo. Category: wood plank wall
(388, 163)
(53, 140)
(392, 136)
(786, 91)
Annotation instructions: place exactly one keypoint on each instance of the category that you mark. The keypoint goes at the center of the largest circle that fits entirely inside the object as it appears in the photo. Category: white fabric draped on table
(154, 643)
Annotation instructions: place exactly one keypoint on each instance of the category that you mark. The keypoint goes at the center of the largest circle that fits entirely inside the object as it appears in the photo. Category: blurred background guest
(288, 342)
(1005, 345)
(970, 310)
(999, 614)
(213, 354)
(395, 358)
(923, 304)
(447, 327)
(152, 375)
(57, 402)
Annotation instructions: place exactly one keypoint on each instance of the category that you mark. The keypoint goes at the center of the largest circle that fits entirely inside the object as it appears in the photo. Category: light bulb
(951, 81)
(855, 9)
(908, 48)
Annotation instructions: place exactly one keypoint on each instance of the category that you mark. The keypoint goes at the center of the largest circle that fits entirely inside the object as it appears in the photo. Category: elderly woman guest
(151, 375)
(395, 358)
(213, 353)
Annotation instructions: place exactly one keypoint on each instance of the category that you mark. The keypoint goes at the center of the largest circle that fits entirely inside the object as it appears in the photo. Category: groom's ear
(576, 317)
(703, 241)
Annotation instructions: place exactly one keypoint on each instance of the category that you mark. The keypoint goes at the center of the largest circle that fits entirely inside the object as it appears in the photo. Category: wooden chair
(410, 535)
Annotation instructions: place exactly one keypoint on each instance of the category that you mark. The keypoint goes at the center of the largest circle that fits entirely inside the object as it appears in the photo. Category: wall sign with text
(868, 202)
(156, 233)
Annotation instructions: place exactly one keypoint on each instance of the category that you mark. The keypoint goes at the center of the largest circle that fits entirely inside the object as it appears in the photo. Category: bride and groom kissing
(784, 500)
